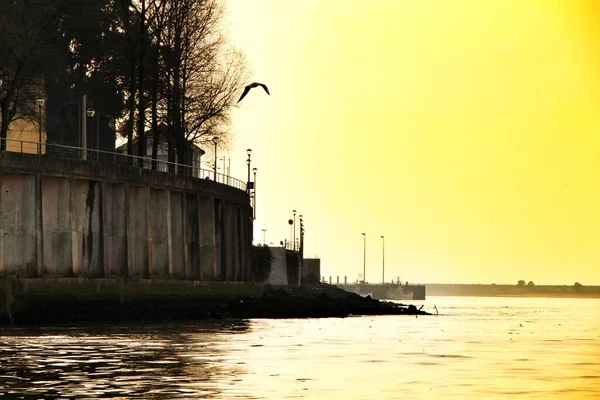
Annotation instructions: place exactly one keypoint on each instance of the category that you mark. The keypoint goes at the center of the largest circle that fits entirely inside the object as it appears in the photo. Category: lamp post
(90, 113)
(97, 136)
(264, 239)
(215, 141)
(382, 259)
(364, 258)
(294, 240)
(40, 103)
(301, 238)
(254, 187)
(248, 161)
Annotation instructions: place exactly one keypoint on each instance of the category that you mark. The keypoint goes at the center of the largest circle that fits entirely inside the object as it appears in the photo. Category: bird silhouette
(253, 85)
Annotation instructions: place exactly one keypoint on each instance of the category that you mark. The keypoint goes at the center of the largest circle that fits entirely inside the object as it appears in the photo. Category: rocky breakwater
(318, 301)
(20, 307)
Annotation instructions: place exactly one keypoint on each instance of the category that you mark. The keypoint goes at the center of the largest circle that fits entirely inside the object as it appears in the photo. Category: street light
(290, 222)
(215, 141)
(248, 161)
(40, 102)
(90, 113)
(254, 187)
(264, 240)
(364, 258)
(301, 238)
(383, 259)
(294, 241)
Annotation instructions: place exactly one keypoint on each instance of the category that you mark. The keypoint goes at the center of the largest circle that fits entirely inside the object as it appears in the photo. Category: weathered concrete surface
(69, 218)
(278, 275)
(18, 224)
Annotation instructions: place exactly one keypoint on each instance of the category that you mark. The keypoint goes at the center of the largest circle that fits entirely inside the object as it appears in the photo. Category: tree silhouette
(142, 63)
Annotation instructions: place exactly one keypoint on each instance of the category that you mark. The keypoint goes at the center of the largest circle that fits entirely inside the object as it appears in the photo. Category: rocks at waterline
(316, 301)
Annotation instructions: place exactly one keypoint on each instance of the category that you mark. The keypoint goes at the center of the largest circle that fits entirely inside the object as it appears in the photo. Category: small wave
(448, 356)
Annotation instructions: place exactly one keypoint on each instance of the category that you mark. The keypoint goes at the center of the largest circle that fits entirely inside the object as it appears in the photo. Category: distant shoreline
(530, 295)
(486, 290)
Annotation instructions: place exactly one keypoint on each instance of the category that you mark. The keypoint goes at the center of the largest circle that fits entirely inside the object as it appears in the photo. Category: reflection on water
(160, 361)
(477, 348)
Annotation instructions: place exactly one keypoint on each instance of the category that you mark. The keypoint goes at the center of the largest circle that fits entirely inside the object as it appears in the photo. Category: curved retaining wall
(72, 218)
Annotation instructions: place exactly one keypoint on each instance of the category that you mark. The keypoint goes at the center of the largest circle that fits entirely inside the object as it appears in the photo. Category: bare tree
(204, 74)
(21, 47)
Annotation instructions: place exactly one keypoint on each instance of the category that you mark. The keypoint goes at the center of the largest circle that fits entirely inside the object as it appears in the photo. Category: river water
(476, 348)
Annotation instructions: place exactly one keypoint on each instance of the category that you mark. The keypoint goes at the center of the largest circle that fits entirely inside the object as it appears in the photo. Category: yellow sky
(466, 132)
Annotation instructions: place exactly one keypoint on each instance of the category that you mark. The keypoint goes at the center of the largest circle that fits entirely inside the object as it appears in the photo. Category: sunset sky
(465, 132)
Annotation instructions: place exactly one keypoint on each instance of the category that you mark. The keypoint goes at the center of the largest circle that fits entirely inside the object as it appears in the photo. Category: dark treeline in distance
(519, 290)
(148, 67)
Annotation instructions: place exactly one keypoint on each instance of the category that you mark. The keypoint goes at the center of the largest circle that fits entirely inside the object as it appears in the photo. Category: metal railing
(290, 245)
(108, 157)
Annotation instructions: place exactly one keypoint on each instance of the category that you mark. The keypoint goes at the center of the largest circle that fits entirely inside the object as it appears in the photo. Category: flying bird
(253, 85)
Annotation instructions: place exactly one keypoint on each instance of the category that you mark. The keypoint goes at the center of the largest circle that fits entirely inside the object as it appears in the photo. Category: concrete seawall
(65, 218)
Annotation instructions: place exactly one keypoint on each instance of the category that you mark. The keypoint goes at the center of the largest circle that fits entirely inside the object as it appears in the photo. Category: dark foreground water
(478, 348)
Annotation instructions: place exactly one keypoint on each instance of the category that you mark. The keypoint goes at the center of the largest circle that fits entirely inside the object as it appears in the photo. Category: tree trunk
(141, 103)
(155, 132)
(176, 103)
(4, 124)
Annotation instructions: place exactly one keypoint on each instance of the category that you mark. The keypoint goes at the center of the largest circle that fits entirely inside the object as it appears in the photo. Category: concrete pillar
(75, 248)
(116, 220)
(92, 229)
(206, 215)
(104, 220)
(200, 227)
(169, 234)
(1, 225)
(192, 233)
(56, 227)
(138, 230)
(150, 223)
(219, 245)
(216, 252)
(228, 211)
(185, 236)
(158, 223)
(128, 218)
(38, 225)
(242, 243)
(177, 243)
(237, 245)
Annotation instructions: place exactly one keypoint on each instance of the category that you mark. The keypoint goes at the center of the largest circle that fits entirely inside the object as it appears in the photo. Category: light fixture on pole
(248, 161)
(290, 222)
(40, 103)
(264, 236)
(382, 259)
(97, 136)
(254, 187)
(294, 240)
(364, 258)
(301, 238)
(215, 141)
(90, 113)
